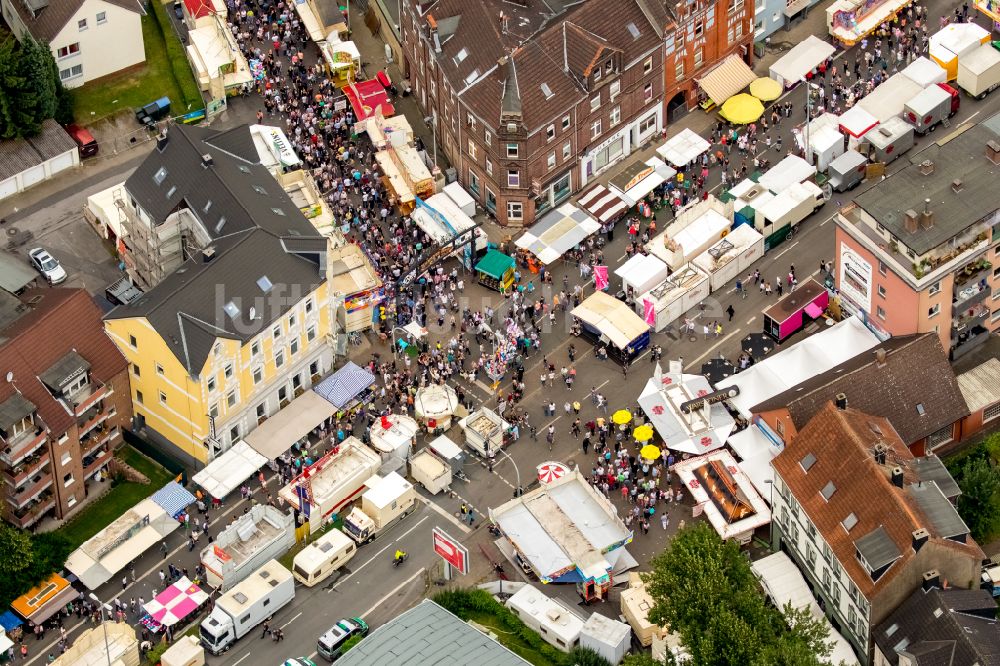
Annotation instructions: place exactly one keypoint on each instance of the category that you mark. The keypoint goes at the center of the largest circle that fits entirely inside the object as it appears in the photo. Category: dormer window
(69, 376)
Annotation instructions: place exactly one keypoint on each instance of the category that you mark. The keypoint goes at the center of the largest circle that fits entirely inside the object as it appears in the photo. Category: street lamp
(104, 626)
(519, 490)
(809, 90)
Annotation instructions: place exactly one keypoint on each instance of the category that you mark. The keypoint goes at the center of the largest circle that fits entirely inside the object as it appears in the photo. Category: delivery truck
(266, 591)
(389, 498)
(979, 71)
(930, 106)
(261, 534)
(778, 217)
(847, 171)
(888, 141)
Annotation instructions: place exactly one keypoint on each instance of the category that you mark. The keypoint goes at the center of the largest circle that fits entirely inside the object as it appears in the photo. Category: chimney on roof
(993, 152)
(920, 537)
(926, 167)
(161, 140)
(897, 476)
(879, 453)
(879, 358)
(956, 185)
(208, 253)
(927, 216)
(910, 221)
(932, 579)
(206, 160)
(841, 401)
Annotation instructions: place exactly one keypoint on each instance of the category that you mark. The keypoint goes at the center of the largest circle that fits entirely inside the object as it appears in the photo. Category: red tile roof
(62, 320)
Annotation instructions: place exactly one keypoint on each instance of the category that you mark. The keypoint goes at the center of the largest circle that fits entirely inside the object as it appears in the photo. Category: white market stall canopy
(692, 232)
(310, 21)
(725, 493)
(784, 584)
(277, 434)
(460, 196)
(639, 179)
(887, 99)
(558, 231)
(727, 78)
(611, 318)
(789, 171)
(804, 57)
(925, 72)
(857, 122)
(683, 148)
(805, 359)
(113, 548)
(440, 218)
(641, 273)
(224, 474)
(700, 431)
(756, 451)
(602, 203)
(273, 147)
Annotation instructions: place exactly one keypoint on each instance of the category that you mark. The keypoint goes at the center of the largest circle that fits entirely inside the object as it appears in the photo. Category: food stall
(451, 453)
(748, 197)
(405, 175)
(724, 495)
(358, 290)
(826, 141)
(800, 61)
(683, 148)
(430, 471)
(484, 431)
(461, 197)
(857, 122)
(496, 271)
(608, 321)
(849, 21)
(394, 437)
(693, 231)
(45, 599)
(348, 388)
(683, 290)
(790, 314)
(640, 178)
(731, 257)
(434, 405)
(385, 132)
(172, 605)
(342, 61)
(557, 232)
(685, 412)
(367, 96)
(789, 171)
(641, 273)
(602, 204)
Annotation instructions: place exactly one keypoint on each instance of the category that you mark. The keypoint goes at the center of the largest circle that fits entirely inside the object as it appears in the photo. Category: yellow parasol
(765, 89)
(742, 109)
(650, 452)
(643, 433)
(621, 417)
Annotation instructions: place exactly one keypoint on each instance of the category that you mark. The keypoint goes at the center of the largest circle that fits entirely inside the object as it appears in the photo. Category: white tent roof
(743, 490)
(802, 59)
(217, 50)
(784, 583)
(807, 358)
(449, 212)
(756, 452)
(660, 173)
(683, 148)
(310, 21)
(726, 79)
(221, 476)
(643, 270)
(824, 138)
(558, 231)
(857, 121)
(887, 99)
(793, 169)
(612, 318)
(924, 72)
(277, 434)
(700, 431)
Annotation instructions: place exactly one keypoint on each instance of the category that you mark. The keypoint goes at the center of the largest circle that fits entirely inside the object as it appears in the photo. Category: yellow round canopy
(650, 452)
(765, 89)
(742, 109)
(643, 433)
(621, 417)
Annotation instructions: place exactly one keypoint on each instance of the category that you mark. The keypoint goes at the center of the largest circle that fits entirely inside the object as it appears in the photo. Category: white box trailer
(266, 591)
(979, 71)
(187, 651)
(430, 471)
(641, 273)
(730, 257)
(789, 171)
(847, 171)
(557, 624)
(930, 106)
(609, 638)
(263, 533)
(888, 141)
(389, 498)
(680, 292)
(789, 208)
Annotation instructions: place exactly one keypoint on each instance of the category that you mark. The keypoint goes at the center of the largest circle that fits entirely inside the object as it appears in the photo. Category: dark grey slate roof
(237, 141)
(877, 548)
(942, 513)
(428, 634)
(930, 468)
(13, 409)
(952, 627)
(69, 365)
(962, 158)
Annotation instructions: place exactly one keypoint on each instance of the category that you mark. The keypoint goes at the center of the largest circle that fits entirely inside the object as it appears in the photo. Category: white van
(322, 557)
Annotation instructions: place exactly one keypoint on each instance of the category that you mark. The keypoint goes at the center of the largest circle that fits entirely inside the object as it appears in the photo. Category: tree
(979, 503)
(13, 116)
(39, 70)
(704, 590)
(29, 87)
(26, 560)
(15, 551)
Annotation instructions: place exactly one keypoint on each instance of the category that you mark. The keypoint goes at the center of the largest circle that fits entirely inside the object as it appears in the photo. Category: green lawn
(134, 88)
(95, 517)
(509, 639)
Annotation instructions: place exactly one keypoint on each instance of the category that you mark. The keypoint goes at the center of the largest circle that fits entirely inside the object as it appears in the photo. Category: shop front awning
(45, 600)
(683, 148)
(558, 231)
(728, 78)
(602, 203)
(277, 434)
(345, 384)
(639, 179)
(224, 474)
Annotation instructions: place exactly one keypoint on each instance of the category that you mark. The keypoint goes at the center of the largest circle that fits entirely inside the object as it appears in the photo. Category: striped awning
(345, 384)
(173, 498)
(602, 203)
(728, 78)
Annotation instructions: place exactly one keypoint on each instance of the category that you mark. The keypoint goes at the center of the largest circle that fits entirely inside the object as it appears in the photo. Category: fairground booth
(610, 322)
(557, 232)
(685, 412)
(496, 271)
(795, 309)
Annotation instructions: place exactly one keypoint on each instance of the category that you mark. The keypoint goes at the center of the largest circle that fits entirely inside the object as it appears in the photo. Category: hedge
(179, 64)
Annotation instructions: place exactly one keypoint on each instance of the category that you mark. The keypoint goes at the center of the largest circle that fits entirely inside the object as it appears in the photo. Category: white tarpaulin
(221, 476)
(641, 273)
(887, 100)
(683, 148)
(558, 231)
(612, 318)
(925, 72)
(804, 57)
(277, 434)
(789, 171)
(756, 452)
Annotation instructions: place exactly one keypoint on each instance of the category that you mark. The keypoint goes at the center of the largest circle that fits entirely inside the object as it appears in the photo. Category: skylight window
(170, 192)
(472, 77)
(265, 284)
(920, 409)
(277, 211)
(259, 190)
(828, 490)
(231, 309)
(160, 176)
(461, 55)
(208, 204)
(632, 30)
(221, 223)
(547, 91)
(244, 169)
(850, 521)
(807, 461)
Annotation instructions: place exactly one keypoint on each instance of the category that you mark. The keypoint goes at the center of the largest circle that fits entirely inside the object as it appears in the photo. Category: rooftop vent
(897, 476)
(206, 160)
(993, 152)
(932, 579)
(880, 357)
(841, 401)
(879, 453)
(208, 253)
(926, 167)
(927, 216)
(920, 537)
(956, 185)
(161, 140)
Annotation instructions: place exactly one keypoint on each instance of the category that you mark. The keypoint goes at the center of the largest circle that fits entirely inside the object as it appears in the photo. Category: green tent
(494, 264)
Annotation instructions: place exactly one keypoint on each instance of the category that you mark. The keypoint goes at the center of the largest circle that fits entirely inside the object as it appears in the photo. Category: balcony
(967, 341)
(968, 318)
(31, 491)
(91, 419)
(971, 295)
(96, 439)
(26, 469)
(30, 516)
(87, 397)
(93, 463)
(973, 273)
(23, 444)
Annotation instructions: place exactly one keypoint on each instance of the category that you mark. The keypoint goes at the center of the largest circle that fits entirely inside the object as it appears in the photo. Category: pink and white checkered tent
(176, 602)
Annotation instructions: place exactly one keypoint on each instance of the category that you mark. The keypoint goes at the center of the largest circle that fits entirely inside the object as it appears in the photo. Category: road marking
(751, 320)
(396, 589)
(290, 621)
(483, 385)
(453, 519)
(712, 348)
(373, 557)
(242, 658)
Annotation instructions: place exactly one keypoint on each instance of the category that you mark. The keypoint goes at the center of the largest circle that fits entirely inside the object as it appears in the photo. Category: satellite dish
(253, 313)
(10, 377)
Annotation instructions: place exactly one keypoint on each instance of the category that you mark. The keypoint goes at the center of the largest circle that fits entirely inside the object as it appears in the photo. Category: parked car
(85, 141)
(47, 265)
(299, 661)
(332, 642)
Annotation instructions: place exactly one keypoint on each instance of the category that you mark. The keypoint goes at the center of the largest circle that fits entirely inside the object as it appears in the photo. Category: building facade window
(595, 129)
(615, 88)
(647, 92)
(515, 210)
(473, 182)
(679, 69)
(550, 132)
(511, 150)
(615, 116)
(513, 178)
(647, 65)
(472, 149)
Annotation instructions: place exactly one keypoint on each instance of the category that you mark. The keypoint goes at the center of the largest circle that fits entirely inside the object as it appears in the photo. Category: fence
(147, 448)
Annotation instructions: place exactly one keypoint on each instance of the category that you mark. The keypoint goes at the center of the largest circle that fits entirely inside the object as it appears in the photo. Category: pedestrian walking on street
(163, 549)
(731, 311)
(267, 629)
(664, 520)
